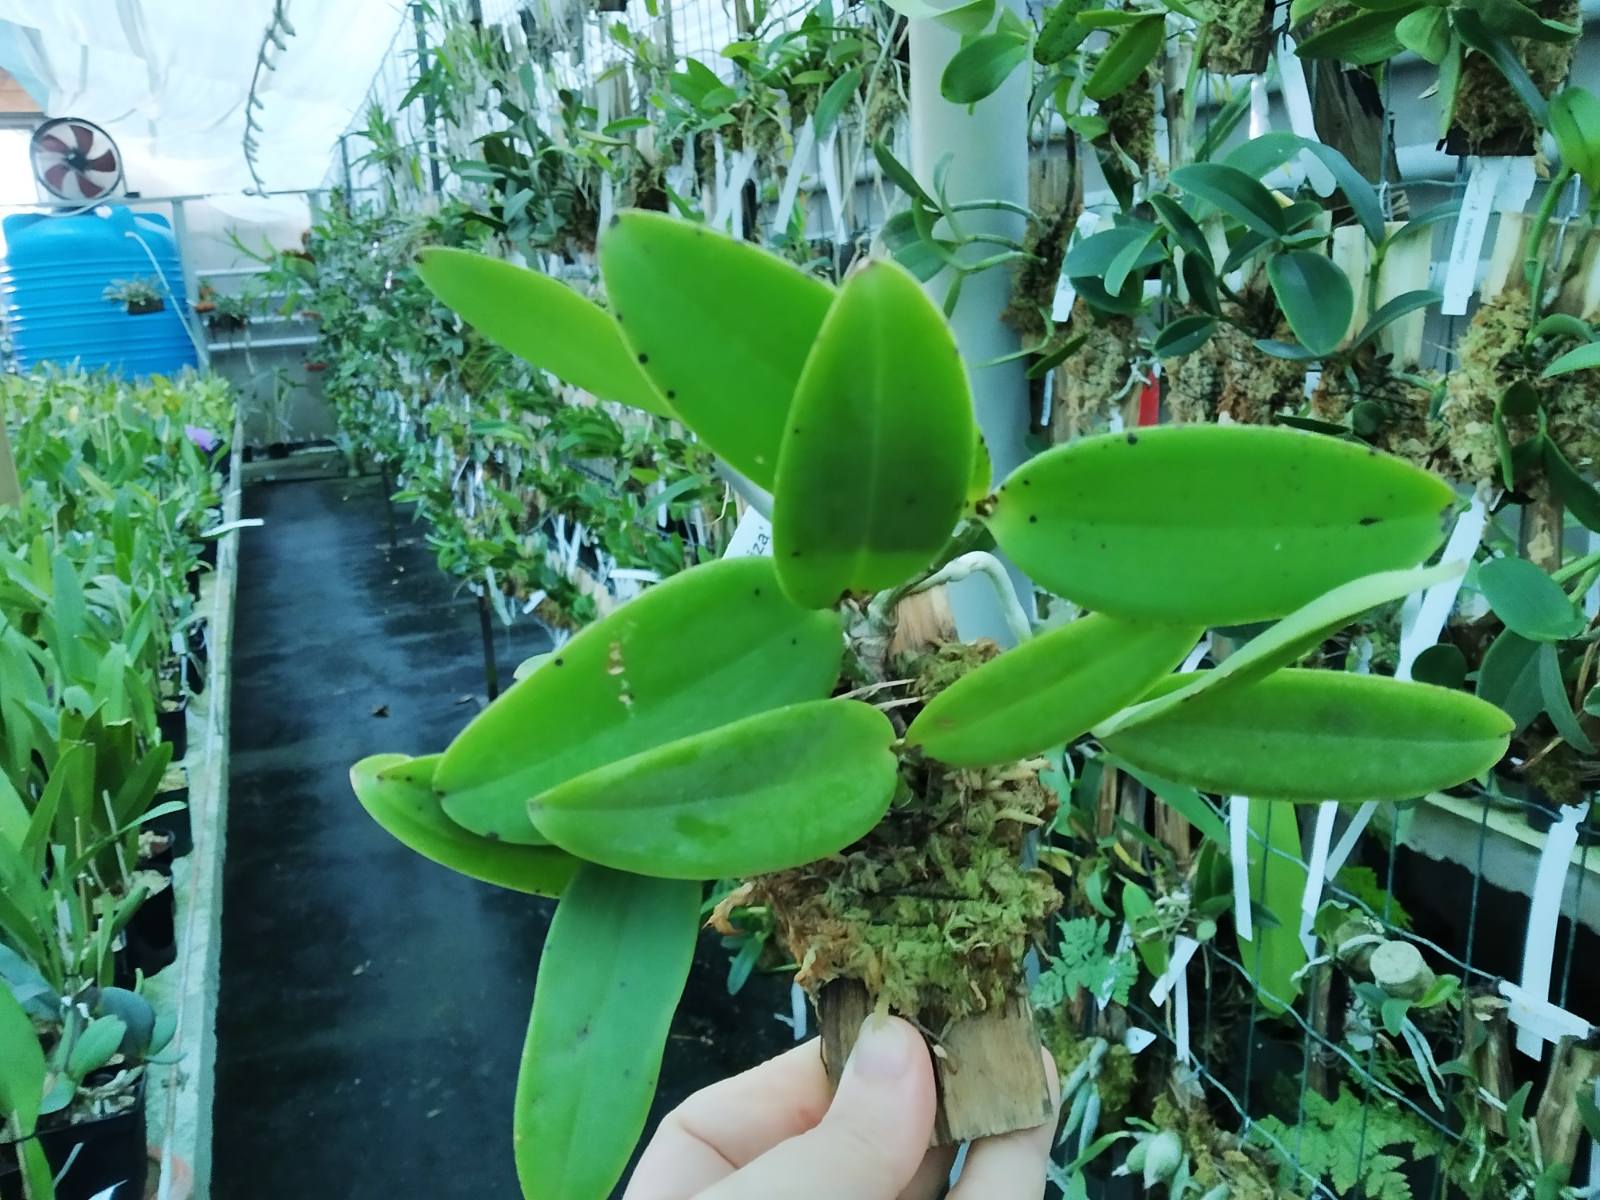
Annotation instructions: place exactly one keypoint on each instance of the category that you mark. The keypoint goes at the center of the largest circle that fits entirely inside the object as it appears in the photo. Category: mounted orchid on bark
(760, 719)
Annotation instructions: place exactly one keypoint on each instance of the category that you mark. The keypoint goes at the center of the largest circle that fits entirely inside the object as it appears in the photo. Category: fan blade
(55, 177)
(105, 161)
(50, 142)
(90, 189)
(85, 138)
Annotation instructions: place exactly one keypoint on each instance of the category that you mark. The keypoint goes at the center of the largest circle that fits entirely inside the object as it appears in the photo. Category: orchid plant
(731, 722)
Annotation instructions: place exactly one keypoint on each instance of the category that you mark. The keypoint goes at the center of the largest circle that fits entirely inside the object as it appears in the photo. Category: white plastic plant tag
(803, 146)
(1421, 630)
(1180, 1017)
(1239, 852)
(1316, 874)
(1066, 294)
(1594, 1151)
(1183, 948)
(1539, 948)
(1591, 606)
(1297, 100)
(828, 168)
(1340, 854)
(1515, 187)
(1545, 1021)
(752, 537)
(1472, 225)
(730, 210)
(1260, 106)
(1137, 1038)
(1192, 663)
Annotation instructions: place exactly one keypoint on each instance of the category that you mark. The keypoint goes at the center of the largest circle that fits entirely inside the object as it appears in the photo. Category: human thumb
(871, 1140)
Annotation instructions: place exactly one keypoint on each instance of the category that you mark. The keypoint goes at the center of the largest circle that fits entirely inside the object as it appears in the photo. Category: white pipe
(987, 144)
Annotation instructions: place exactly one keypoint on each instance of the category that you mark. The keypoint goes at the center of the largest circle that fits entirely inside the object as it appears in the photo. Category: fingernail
(883, 1049)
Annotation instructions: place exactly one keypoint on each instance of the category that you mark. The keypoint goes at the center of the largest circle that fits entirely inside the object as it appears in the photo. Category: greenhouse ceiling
(172, 83)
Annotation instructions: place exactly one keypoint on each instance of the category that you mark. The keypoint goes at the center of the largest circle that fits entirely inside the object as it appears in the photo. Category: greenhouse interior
(1136, 465)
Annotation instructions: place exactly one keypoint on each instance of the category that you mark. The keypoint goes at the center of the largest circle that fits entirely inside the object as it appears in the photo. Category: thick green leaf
(721, 327)
(1315, 297)
(610, 975)
(1510, 18)
(1093, 257)
(977, 70)
(1229, 189)
(1443, 665)
(1049, 690)
(542, 320)
(1215, 525)
(1195, 808)
(398, 794)
(1576, 492)
(1400, 306)
(1126, 58)
(900, 175)
(878, 453)
(1426, 33)
(711, 645)
(1277, 884)
(839, 94)
(1184, 336)
(1271, 150)
(767, 793)
(1291, 638)
(1185, 231)
(1584, 358)
(1360, 41)
(1527, 601)
(94, 1047)
(1509, 678)
(1553, 694)
(1575, 124)
(1061, 34)
(1321, 735)
(21, 1066)
(968, 19)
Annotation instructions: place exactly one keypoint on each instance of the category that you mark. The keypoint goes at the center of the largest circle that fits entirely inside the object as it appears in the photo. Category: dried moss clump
(1130, 118)
(1489, 116)
(1216, 1157)
(1118, 1076)
(1490, 359)
(1093, 380)
(1238, 43)
(1400, 407)
(1228, 378)
(1033, 288)
(932, 911)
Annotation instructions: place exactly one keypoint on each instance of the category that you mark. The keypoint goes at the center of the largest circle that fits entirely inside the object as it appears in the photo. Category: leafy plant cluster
(517, 482)
(99, 570)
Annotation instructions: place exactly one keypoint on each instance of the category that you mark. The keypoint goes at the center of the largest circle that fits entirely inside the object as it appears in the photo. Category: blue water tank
(53, 271)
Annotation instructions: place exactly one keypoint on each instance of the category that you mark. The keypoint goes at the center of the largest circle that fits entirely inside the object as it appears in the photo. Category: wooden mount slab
(990, 1070)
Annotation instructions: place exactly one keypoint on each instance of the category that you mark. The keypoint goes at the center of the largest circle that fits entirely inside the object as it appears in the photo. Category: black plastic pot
(140, 308)
(174, 824)
(111, 1154)
(194, 663)
(173, 725)
(152, 933)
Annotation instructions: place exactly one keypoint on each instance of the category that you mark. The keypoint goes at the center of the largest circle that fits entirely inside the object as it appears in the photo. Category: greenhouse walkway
(372, 1004)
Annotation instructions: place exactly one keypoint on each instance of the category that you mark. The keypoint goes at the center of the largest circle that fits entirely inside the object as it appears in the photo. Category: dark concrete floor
(372, 1004)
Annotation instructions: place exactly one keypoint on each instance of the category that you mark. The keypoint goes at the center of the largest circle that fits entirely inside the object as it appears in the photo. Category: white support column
(988, 146)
